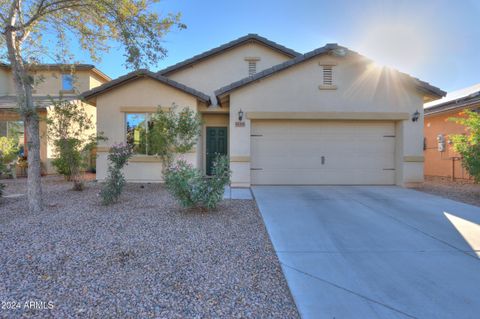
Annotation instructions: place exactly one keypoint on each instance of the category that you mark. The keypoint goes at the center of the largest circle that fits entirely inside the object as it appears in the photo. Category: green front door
(216, 144)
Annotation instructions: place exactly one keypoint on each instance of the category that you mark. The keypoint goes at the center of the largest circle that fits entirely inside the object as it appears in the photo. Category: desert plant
(70, 131)
(188, 185)
(2, 171)
(115, 181)
(171, 132)
(9, 150)
(468, 144)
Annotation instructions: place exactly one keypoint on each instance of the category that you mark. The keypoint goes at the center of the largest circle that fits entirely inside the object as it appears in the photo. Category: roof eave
(143, 74)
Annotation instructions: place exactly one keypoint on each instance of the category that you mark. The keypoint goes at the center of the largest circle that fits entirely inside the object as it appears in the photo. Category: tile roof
(144, 73)
(76, 66)
(454, 100)
(304, 57)
(226, 46)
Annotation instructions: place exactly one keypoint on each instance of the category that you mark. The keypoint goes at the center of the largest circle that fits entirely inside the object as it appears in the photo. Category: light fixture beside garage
(240, 115)
(415, 116)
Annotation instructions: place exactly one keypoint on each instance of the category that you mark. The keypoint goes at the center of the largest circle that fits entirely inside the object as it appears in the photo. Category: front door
(216, 144)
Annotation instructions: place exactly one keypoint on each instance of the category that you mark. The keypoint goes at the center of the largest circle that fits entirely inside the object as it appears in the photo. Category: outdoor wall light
(240, 115)
(415, 116)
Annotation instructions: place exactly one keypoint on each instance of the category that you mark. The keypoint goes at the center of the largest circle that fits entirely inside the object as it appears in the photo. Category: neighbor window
(67, 82)
(14, 130)
(137, 127)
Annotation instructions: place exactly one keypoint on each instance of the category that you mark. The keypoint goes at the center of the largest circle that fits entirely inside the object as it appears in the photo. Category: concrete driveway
(375, 252)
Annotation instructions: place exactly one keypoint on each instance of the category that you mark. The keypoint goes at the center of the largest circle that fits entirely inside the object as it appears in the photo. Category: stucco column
(409, 151)
(239, 148)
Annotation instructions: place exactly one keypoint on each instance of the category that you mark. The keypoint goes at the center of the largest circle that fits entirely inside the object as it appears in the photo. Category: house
(440, 158)
(50, 82)
(329, 116)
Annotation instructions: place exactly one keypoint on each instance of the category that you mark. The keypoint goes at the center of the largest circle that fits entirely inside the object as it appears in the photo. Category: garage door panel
(322, 176)
(290, 152)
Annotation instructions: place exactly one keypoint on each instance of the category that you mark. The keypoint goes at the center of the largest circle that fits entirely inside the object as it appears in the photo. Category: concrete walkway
(375, 252)
(237, 193)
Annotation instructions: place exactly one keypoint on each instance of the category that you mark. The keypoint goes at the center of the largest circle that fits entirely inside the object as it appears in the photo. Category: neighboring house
(440, 158)
(325, 117)
(50, 82)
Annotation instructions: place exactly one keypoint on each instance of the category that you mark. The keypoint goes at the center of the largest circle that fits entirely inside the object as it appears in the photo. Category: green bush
(468, 145)
(188, 185)
(115, 181)
(9, 149)
(2, 171)
(70, 130)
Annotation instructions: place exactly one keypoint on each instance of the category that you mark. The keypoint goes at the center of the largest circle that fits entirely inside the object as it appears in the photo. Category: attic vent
(252, 67)
(327, 75)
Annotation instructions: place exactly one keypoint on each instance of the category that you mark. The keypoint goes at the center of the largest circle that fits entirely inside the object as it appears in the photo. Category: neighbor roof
(142, 73)
(76, 66)
(41, 102)
(249, 37)
(304, 57)
(455, 100)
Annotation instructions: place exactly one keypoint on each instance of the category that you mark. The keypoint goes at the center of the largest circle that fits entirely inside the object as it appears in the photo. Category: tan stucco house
(329, 116)
(51, 81)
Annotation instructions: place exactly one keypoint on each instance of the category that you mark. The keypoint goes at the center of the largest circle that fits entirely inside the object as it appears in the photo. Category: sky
(437, 41)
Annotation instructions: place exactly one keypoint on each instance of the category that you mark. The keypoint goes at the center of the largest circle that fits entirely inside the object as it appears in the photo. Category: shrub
(9, 150)
(468, 145)
(173, 132)
(70, 129)
(115, 181)
(188, 185)
(2, 171)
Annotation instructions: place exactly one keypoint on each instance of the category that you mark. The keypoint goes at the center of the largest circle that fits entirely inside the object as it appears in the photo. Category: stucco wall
(49, 82)
(360, 88)
(137, 95)
(442, 163)
(227, 67)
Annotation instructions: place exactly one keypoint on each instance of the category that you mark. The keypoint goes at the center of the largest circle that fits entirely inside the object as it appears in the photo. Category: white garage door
(289, 152)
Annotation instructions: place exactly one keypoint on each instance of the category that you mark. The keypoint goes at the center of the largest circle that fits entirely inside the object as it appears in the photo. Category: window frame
(148, 116)
(72, 89)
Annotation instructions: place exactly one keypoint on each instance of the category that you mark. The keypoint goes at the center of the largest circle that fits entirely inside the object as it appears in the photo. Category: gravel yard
(144, 257)
(462, 191)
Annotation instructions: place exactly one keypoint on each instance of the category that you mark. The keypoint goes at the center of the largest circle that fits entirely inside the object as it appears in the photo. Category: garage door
(289, 152)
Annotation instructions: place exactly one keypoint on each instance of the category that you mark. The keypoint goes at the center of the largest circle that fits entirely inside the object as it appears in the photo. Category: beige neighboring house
(50, 82)
(325, 117)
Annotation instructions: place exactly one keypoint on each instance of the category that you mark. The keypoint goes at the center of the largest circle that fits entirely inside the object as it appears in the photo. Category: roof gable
(227, 46)
(329, 48)
(132, 76)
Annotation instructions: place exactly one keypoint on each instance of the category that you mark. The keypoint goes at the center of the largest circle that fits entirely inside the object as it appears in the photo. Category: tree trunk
(23, 85)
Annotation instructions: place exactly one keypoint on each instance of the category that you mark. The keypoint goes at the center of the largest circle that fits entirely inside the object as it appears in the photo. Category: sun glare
(398, 46)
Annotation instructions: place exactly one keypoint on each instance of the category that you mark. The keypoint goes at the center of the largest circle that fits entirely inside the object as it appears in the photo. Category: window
(137, 127)
(67, 82)
(15, 130)
(252, 67)
(327, 75)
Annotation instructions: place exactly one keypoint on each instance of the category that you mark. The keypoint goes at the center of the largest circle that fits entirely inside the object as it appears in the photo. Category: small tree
(115, 181)
(70, 131)
(468, 144)
(36, 29)
(9, 150)
(171, 133)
